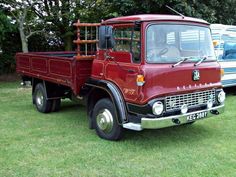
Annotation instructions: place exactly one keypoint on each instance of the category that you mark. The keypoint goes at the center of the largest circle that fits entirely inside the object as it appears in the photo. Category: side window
(123, 39)
(136, 46)
(128, 40)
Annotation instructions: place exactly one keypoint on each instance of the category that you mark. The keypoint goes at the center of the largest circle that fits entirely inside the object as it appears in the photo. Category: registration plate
(196, 116)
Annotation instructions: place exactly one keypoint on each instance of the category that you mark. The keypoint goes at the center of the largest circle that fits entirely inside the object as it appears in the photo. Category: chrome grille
(191, 99)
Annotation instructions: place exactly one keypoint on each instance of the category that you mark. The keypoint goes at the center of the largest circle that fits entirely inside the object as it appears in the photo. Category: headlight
(221, 96)
(157, 108)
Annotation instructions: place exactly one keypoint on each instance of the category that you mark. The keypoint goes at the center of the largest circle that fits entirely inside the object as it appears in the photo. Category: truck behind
(224, 37)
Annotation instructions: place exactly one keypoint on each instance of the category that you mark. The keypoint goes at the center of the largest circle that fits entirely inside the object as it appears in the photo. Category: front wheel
(106, 122)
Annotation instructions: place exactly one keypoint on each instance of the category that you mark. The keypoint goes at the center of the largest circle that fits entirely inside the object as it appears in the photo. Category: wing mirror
(106, 38)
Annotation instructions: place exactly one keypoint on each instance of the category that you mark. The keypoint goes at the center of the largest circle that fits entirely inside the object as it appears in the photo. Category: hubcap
(105, 120)
(39, 98)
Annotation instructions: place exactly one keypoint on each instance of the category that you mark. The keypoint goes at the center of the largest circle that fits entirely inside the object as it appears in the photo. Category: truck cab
(163, 67)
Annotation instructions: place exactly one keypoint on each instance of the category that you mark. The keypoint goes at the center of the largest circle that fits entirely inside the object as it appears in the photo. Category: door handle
(131, 71)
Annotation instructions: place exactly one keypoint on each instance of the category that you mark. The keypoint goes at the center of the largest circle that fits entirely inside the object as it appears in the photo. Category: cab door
(123, 61)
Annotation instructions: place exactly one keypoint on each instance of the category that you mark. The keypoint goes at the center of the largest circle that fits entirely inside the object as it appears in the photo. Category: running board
(132, 126)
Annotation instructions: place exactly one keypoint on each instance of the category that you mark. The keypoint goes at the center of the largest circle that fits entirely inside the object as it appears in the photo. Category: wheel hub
(105, 120)
(39, 98)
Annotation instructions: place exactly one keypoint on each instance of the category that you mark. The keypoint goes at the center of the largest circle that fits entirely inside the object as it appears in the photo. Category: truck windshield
(169, 43)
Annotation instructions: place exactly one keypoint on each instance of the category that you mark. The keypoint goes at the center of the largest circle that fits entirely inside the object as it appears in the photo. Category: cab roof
(153, 17)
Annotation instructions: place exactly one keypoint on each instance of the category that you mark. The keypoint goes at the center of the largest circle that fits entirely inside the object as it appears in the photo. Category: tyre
(40, 97)
(56, 104)
(105, 120)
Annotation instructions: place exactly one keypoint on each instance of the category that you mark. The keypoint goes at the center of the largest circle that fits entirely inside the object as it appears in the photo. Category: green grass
(60, 144)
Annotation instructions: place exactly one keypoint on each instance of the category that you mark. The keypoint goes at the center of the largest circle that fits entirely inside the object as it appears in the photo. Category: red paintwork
(153, 17)
(161, 79)
(61, 70)
(180, 76)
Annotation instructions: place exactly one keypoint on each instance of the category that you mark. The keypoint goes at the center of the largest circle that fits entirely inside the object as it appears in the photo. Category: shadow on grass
(166, 136)
(71, 106)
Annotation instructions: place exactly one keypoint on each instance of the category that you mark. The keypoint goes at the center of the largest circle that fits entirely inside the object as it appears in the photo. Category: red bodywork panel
(153, 17)
(163, 80)
(57, 67)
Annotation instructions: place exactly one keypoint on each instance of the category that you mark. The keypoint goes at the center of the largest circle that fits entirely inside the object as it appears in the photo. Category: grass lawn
(60, 144)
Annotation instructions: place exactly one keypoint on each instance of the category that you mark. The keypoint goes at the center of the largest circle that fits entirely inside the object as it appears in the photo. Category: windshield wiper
(201, 60)
(181, 61)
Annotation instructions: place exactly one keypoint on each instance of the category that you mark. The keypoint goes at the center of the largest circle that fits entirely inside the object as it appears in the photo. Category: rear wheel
(40, 98)
(106, 122)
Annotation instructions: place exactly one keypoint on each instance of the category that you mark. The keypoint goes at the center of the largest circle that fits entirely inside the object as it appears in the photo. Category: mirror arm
(107, 56)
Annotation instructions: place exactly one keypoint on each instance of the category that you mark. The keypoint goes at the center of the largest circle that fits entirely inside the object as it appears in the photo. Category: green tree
(7, 35)
(214, 11)
(22, 16)
(59, 15)
(5, 26)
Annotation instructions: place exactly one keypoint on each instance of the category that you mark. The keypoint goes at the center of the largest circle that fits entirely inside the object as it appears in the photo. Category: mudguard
(115, 95)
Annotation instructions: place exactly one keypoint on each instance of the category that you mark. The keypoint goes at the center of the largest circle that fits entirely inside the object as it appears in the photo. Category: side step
(132, 126)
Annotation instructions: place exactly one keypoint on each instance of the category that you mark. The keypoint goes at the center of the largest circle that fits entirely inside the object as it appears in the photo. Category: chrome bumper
(156, 123)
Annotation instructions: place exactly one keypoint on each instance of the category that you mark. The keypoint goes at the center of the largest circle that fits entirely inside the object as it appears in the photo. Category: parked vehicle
(140, 72)
(225, 38)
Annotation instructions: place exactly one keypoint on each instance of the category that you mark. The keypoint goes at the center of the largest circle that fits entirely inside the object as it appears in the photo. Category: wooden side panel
(57, 69)
(39, 64)
(60, 67)
(46, 67)
(23, 62)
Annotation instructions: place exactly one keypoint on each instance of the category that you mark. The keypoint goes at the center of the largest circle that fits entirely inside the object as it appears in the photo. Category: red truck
(135, 72)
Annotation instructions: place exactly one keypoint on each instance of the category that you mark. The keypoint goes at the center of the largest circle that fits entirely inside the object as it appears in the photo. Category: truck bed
(57, 67)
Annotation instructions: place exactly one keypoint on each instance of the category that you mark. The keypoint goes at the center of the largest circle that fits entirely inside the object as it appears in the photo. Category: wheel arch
(104, 89)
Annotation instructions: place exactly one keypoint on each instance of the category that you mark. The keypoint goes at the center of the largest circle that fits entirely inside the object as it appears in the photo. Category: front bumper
(156, 123)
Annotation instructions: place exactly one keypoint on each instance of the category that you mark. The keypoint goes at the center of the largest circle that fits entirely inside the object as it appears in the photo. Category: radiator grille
(191, 99)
